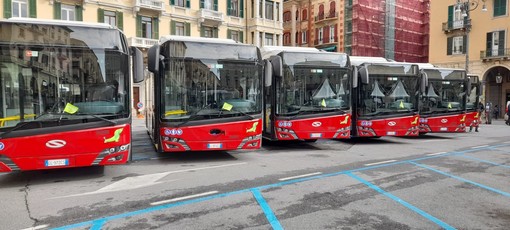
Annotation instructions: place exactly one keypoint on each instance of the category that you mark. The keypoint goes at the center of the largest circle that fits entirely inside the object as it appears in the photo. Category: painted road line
(36, 227)
(425, 141)
(481, 146)
(462, 179)
(485, 161)
(381, 162)
(184, 198)
(435, 154)
(300, 176)
(402, 202)
(271, 217)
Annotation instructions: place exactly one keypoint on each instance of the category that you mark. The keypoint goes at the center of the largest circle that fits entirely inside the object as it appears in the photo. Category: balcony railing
(211, 15)
(327, 41)
(319, 17)
(332, 15)
(454, 25)
(495, 54)
(151, 4)
(142, 42)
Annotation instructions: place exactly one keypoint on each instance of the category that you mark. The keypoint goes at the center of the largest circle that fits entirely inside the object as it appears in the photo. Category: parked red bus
(473, 113)
(443, 105)
(308, 97)
(65, 90)
(205, 95)
(385, 96)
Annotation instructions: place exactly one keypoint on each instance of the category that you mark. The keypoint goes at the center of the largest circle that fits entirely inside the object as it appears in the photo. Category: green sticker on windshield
(70, 108)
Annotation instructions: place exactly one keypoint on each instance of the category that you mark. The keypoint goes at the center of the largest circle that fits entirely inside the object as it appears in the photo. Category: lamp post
(466, 7)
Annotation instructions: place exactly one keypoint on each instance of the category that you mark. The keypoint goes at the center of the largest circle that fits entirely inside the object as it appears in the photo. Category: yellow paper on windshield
(70, 108)
(323, 103)
(227, 106)
(401, 104)
(449, 105)
(174, 112)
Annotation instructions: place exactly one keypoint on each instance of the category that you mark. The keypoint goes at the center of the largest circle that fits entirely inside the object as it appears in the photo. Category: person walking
(488, 115)
(507, 111)
(496, 112)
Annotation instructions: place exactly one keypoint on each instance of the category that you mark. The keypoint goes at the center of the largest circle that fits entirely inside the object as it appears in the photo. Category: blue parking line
(271, 217)
(462, 179)
(100, 221)
(402, 202)
(485, 161)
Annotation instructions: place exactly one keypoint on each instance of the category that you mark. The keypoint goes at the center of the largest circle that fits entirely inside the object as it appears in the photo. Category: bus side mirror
(153, 59)
(363, 72)
(424, 83)
(276, 62)
(268, 73)
(469, 86)
(355, 77)
(138, 75)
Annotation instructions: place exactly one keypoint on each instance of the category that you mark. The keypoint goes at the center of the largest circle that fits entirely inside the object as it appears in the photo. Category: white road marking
(300, 176)
(432, 141)
(481, 146)
(381, 162)
(36, 227)
(433, 154)
(144, 180)
(184, 198)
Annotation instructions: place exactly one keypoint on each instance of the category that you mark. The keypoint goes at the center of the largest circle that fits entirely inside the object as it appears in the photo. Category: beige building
(256, 22)
(486, 44)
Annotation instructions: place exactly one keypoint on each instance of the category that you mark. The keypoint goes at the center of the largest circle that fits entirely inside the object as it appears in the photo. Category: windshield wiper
(194, 116)
(16, 127)
(98, 117)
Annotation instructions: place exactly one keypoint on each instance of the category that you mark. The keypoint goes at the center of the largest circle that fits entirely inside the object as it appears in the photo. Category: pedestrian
(488, 115)
(496, 112)
(507, 111)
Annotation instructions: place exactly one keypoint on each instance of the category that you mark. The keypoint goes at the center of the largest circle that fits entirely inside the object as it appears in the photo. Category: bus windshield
(313, 89)
(386, 95)
(74, 73)
(474, 99)
(444, 96)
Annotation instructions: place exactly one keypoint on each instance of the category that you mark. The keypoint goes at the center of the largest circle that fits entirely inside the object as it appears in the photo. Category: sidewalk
(142, 148)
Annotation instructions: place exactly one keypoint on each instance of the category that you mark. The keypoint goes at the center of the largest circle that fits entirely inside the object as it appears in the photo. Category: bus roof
(58, 22)
(268, 51)
(359, 60)
(166, 38)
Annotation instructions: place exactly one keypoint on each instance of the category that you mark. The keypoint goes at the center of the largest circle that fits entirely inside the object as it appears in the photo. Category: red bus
(443, 105)
(308, 97)
(473, 115)
(205, 95)
(385, 96)
(65, 94)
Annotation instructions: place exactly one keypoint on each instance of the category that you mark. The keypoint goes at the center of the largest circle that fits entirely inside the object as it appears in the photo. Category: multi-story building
(143, 21)
(395, 29)
(474, 35)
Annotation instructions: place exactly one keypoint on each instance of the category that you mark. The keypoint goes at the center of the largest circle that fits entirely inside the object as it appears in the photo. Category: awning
(329, 48)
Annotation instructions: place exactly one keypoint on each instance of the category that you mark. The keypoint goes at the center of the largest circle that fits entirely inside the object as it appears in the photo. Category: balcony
(156, 5)
(142, 42)
(317, 42)
(332, 15)
(453, 25)
(495, 54)
(211, 17)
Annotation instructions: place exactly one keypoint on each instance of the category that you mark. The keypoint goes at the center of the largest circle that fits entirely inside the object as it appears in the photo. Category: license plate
(393, 133)
(316, 135)
(444, 129)
(215, 146)
(57, 162)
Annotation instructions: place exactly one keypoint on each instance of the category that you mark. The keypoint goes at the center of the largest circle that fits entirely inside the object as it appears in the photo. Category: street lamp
(466, 6)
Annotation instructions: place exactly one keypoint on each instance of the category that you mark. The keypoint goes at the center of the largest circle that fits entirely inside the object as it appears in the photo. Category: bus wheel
(421, 134)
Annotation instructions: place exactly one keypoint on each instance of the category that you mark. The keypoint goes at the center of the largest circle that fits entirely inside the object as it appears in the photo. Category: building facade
(395, 29)
(256, 22)
(481, 42)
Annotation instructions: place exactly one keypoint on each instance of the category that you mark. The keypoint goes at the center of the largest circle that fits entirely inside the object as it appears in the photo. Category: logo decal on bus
(115, 138)
(55, 144)
(253, 128)
(285, 124)
(316, 124)
(173, 132)
(2, 146)
(444, 120)
(392, 123)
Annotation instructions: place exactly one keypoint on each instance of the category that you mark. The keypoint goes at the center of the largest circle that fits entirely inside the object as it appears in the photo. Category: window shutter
(241, 37)
(120, 20)
(172, 27)
(57, 10)
(241, 9)
(229, 34)
(215, 32)
(229, 7)
(501, 48)
(216, 5)
(450, 17)
(449, 45)
(155, 23)
(138, 26)
(187, 28)
(32, 6)
(201, 4)
(464, 43)
(7, 8)
(172, 2)
(100, 15)
(79, 12)
(188, 4)
(202, 32)
(489, 44)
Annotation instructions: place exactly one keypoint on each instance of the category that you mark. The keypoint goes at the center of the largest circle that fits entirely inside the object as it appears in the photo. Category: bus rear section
(207, 95)
(443, 105)
(473, 103)
(307, 94)
(64, 102)
(385, 98)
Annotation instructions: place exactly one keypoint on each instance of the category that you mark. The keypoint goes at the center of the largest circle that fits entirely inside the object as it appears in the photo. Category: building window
(305, 15)
(180, 29)
(320, 37)
(499, 7)
(207, 32)
(146, 27)
(19, 8)
(181, 3)
(332, 34)
(268, 41)
(269, 10)
(495, 43)
(304, 36)
(68, 12)
(260, 9)
(234, 8)
(209, 4)
(110, 18)
(457, 45)
(277, 11)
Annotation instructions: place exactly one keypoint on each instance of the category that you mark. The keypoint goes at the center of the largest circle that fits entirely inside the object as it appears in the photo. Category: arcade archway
(497, 87)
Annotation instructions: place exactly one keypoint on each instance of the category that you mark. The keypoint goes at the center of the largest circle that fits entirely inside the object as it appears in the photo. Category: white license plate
(393, 133)
(215, 146)
(316, 135)
(57, 162)
(444, 129)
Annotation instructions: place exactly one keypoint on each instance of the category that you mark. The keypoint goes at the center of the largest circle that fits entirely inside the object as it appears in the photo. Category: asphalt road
(449, 181)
